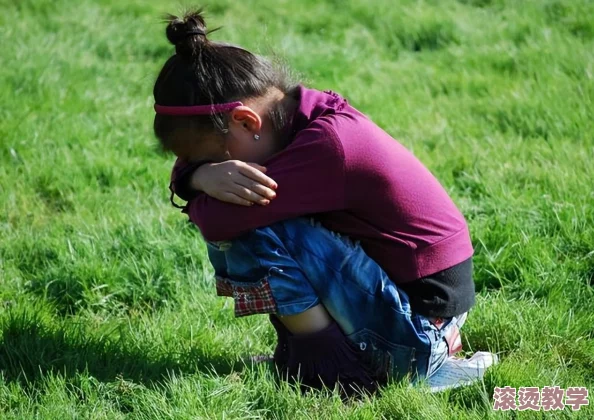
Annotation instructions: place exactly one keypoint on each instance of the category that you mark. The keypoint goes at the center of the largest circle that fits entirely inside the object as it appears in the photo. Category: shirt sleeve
(311, 179)
(180, 178)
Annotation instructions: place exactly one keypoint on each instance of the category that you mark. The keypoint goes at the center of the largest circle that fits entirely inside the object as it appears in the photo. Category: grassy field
(107, 302)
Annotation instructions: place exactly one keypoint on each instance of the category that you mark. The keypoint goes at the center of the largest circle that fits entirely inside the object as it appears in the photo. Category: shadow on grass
(30, 349)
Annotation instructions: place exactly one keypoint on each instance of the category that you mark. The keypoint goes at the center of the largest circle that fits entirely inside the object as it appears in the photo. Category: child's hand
(234, 181)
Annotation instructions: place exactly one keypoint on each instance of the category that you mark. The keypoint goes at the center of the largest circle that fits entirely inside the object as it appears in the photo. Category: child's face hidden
(238, 143)
(190, 146)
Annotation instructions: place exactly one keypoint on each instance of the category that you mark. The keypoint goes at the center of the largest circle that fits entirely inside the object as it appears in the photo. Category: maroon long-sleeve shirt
(357, 180)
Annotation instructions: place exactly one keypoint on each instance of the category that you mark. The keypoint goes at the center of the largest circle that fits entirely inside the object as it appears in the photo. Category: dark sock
(325, 358)
(281, 352)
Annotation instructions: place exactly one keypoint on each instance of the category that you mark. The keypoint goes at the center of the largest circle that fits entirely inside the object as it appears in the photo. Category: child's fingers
(256, 187)
(234, 199)
(249, 195)
(256, 174)
(256, 166)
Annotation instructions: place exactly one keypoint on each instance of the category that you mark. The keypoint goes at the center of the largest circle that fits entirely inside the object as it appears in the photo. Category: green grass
(107, 303)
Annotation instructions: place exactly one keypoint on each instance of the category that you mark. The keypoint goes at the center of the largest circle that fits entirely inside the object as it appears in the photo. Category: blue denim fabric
(306, 264)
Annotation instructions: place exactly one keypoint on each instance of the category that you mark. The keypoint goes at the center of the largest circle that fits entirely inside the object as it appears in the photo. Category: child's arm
(181, 175)
(311, 179)
(231, 181)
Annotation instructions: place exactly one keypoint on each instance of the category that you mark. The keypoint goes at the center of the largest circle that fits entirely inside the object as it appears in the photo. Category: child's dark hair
(203, 72)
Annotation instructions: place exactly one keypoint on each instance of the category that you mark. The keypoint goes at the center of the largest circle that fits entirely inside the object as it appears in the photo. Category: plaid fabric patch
(250, 298)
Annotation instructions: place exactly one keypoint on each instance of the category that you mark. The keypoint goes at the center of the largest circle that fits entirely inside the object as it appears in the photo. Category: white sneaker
(456, 372)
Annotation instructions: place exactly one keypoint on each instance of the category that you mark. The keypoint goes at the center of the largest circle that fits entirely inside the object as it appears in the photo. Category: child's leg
(373, 313)
(290, 267)
(368, 306)
(262, 277)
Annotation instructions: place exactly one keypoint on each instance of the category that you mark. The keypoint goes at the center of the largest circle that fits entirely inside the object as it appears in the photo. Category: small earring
(256, 137)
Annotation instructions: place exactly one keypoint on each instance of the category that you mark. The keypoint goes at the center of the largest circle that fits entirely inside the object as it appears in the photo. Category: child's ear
(247, 117)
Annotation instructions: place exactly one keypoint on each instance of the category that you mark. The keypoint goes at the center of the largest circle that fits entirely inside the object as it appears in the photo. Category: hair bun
(187, 33)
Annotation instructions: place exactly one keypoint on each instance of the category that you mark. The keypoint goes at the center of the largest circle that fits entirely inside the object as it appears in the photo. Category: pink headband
(196, 110)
